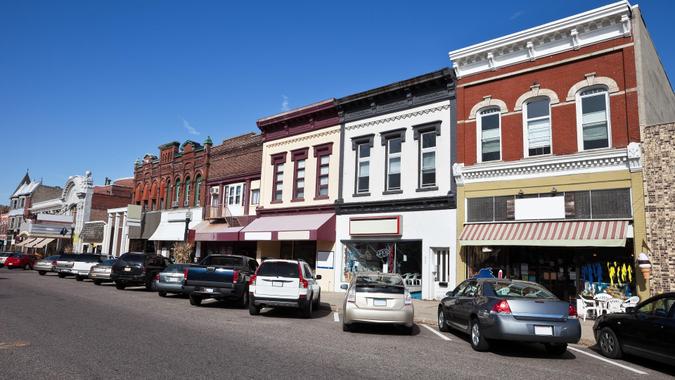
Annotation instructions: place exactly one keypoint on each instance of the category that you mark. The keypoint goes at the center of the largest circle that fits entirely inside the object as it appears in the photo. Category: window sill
(391, 192)
(276, 201)
(422, 189)
(298, 200)
(320, 197)
(361, 194)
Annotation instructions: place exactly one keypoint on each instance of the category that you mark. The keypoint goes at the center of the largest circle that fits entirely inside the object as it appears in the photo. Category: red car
(19, 260)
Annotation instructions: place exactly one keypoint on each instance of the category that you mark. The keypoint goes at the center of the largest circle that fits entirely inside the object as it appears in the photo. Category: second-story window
(393, 164)
(176, 191)
(23, 202)
(363, 168)
(278, 182)
(186, 201)
(198, 191)
(299, 184)
(322, 154)
(428, 159)
(538, 127)
(255, 196)
(594, 115)
(489, 135)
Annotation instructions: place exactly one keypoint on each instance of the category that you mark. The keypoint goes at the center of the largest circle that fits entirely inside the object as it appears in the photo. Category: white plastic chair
(585, 306)
(614, 305)
(630, 302)
(601, 302)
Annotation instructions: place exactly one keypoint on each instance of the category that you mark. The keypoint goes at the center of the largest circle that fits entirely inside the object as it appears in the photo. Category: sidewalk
(425, 313)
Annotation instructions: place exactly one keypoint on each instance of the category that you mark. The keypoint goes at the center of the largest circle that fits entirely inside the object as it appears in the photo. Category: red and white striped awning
(599, 233)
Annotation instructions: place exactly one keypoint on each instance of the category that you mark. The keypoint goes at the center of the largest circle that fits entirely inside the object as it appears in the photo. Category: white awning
(27, 241)
(172, 226)
(43, 243)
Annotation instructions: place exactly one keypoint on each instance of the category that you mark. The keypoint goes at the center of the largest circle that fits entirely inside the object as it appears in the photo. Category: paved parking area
(60, 328)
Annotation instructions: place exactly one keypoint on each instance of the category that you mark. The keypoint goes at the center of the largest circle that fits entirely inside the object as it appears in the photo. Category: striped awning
(599, 233)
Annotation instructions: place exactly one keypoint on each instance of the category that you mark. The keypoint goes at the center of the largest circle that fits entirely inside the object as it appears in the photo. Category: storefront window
(404, 258)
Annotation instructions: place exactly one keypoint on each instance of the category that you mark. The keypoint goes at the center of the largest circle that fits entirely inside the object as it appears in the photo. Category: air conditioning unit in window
(215, 190)
(174, 204)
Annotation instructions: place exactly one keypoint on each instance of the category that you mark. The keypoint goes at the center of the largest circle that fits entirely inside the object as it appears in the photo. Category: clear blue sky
(92, 85)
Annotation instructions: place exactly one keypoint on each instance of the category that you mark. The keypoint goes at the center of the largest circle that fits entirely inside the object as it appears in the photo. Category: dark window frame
(320, 151)
(356, 143)
(297, 156)
(418, 131)
(277, 159)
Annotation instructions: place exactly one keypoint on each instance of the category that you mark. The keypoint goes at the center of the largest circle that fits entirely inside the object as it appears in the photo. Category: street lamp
(188, 217)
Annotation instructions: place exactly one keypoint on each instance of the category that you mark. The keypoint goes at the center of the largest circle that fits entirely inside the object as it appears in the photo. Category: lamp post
(188, 217)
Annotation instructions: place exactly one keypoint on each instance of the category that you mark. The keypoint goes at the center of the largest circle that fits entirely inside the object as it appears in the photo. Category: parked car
(4, 256)
(647, 330)
(137, 268)
(48, 264)
(20, 260)
(223, 277)
(500, 309)
(379, 298)
(284, 283)
(170, 280)
(100, 272)
(77, 264)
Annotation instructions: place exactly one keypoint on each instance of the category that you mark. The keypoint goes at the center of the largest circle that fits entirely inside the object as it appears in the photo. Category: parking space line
(437, 333)
(607, 360)
(336, 316)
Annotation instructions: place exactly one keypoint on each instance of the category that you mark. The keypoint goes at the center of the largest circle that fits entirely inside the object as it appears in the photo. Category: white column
(124, 244)
(107, 230)
(116, 235)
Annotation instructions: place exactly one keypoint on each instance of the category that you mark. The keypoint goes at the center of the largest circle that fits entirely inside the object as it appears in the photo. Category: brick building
(548, 151)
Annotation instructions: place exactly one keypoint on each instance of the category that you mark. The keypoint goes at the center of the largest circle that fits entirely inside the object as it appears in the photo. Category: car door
(449, 303)
(312, 281)
(465, 302)
(660, 330)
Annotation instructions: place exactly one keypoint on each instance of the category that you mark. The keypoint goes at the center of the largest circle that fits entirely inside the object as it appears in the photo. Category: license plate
(379, 302)
(543, 330)
(277, 283)
(127, 269)
(173, 279)
(208, 290)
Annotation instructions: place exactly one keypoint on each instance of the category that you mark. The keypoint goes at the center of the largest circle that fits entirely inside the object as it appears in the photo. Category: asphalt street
(60, 328)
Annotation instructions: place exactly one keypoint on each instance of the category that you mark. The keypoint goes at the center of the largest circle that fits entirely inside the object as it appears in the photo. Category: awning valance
(34, 243)
(43, 243)
(597, 233)
(207, 231)
(319, 226)
(27, 241)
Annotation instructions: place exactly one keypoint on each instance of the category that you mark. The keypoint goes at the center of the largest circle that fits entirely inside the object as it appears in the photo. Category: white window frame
(479, 127)
(391, 156)
(360, 160)
(580, 127)
(421, 158)
(526, 140)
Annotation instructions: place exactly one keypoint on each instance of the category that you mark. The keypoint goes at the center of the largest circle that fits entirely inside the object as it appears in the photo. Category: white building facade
(396, 210)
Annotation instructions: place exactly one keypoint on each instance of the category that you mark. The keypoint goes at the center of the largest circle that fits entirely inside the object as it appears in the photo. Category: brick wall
(659, 175)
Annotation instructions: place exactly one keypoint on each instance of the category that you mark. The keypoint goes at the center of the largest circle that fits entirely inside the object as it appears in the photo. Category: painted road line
(437, 333)
(607, 360)
(336, 317)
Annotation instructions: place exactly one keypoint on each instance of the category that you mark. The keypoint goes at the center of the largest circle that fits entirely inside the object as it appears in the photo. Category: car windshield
(67, 257)
(87, 258)
(380, 284)
(278, 268)
(176, 268)
(108, 262)
(5, 254)
(226, 261)
(51, 258)
(132, 258)
(517, 290)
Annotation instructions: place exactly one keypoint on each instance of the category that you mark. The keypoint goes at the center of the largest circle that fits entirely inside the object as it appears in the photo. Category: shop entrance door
(441, 271)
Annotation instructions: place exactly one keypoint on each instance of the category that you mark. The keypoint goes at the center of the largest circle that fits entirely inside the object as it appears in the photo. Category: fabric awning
(207, 231)
(319, 226)
(34, 243)
(172, 226)
(598, 233)
(43, 243)
(27, 241)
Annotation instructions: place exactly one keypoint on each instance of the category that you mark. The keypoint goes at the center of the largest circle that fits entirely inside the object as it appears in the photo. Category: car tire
(308, 309)
(609, 343)
(79, 278)
(26, 267)
(120, 285)
(61, 275)
(252, 308)
(195, 301)
(556, 348)
(317, 303)
(442, 324)
(347, 327)
(408, 330)
(42, 273)
(478, 341)
(97, 282)
(161, 293)
(149, 285)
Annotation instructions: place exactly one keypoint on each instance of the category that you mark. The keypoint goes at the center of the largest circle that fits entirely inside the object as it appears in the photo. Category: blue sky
(92, 85)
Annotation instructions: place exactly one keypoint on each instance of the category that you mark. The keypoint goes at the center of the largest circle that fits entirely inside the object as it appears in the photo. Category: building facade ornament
(488, 102)
(534, 92)
(592, 80)
(634, 152)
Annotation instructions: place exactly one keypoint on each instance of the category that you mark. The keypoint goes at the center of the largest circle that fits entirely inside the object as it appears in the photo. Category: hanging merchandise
(598, 272)
(630, 273)
(610, 273)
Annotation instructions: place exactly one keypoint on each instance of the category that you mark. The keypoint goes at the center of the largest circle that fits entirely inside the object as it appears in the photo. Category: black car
(137, 268)
(647, 330)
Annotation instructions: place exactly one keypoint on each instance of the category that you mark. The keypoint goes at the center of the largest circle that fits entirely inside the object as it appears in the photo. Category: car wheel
(149, 285)
(61, 275)
(346, 327)
(79, 278)
(478, 341)
(442, 324)
(556, 348)
(408, 330)
(26, 267)
(97, 282)
(161, 293)
(252, 308)
(609, 343)
(120, 285)
(42, 273)
(195, 301)
(307, 309)
(317, 303)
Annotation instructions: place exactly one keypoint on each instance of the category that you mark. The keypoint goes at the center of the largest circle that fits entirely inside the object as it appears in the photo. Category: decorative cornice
(584, 162)
(571, 33)
(304, 137)
(402, 116)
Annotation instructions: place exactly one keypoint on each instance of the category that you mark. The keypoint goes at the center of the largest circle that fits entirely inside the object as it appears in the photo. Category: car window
(307, 272)
(278, 268)
(51, 258)
(517, 290)
(132, 258)
(460, 288)
(470, 289)
(226, 261)
(379, 284)
(108, 262)
(253, 265)
(660, 307)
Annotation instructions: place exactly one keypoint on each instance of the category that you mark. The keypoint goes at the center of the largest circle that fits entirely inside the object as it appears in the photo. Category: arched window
(186, 201)
(489, 134)
(176, 191)
(167, 195)
(198, 190)
(593, 122)
(537, 122)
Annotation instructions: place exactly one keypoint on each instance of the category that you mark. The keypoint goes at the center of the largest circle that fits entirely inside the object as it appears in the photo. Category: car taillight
(53, 263)
(251, 281)
(157, 277)
(502, 307)
(185, 273)
(351, 295)
(408, 298)
(235, 276)
(572, 311)
(302, 283)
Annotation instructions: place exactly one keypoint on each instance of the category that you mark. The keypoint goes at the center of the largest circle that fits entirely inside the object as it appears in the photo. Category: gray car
(170, 280)
(48, 264)
(501, 309)
(100, 273)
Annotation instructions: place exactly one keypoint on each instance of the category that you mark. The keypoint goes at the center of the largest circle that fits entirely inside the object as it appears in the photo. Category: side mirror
(318, 277)
(344, 286)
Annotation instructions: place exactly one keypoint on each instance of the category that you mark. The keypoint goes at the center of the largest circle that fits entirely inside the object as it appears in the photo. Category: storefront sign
(381, 225)
(540, 208)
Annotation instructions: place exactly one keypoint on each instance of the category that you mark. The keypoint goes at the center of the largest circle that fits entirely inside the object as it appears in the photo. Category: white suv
(284, 283)
(77, 264)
